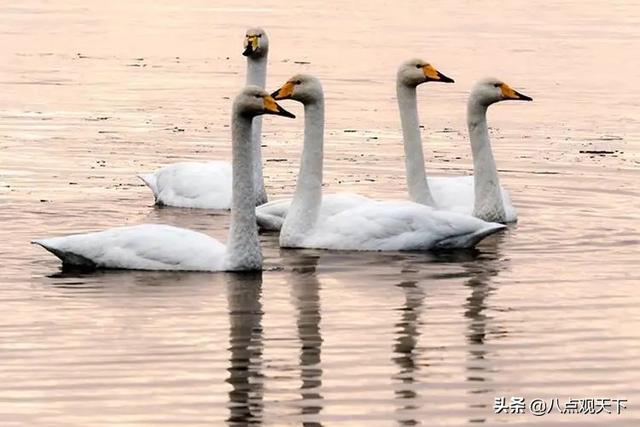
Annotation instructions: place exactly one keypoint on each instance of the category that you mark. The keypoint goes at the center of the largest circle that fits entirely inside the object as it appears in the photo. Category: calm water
(93, 93)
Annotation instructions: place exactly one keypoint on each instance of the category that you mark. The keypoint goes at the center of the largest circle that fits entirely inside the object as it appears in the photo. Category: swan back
(139, 247)
(397, 226)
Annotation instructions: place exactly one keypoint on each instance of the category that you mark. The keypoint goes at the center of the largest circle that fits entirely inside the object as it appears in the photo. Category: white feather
(204, 185)
(271, 215)
(395, 226)
(456, 194)
(140, 247)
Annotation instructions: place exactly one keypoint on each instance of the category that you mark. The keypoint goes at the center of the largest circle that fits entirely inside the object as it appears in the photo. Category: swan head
(491, 90)
(303, 88)
(256, 43)
(253, 101)
(416, 71)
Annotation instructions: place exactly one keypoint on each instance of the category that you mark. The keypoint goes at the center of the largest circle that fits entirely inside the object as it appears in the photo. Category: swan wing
(271, 215)
(456, 194)
(140, 247)
(203, 185)
(396, 226)
(335, 203)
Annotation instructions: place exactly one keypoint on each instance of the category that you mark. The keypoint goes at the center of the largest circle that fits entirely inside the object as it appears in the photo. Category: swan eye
(298, 82)
(497, 84)
(418, 66)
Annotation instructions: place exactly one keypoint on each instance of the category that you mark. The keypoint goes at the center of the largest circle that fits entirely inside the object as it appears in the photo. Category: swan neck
(417, 184)
(257, 75)
(307, 198)
(257, 72)
(488, 203)
(243, 248)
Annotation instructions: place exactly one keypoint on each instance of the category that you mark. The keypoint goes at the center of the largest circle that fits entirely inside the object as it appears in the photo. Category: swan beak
(432, 74)
(285, 92)
(272, 107)
(509, 93)
(250, 45)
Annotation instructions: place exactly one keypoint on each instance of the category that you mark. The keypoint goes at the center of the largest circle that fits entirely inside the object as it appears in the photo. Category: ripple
(547, 309)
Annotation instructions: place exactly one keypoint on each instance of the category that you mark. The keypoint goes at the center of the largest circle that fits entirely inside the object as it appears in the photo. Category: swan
(207, 185)
(270, 216)
(479, 195)
(163, 247)
(368, 226)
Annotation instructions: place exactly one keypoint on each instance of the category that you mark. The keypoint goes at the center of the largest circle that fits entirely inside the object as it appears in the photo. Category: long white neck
(488, 203)
(417, 183)
(305, 206)
(243, 246)
(257, 76)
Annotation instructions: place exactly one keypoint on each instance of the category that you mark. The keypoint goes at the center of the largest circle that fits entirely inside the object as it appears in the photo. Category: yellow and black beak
(250, 45)
(509, 93)
(285, 91)
(434, 75)
(272, 107)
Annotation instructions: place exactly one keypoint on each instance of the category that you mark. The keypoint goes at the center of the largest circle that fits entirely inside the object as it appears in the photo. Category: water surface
(94, 93)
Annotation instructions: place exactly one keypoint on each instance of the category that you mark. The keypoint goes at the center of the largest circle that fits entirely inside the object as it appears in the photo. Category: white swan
(163, 247)
(479, 194)
(207, 185)
(370, 225)
(271, 215)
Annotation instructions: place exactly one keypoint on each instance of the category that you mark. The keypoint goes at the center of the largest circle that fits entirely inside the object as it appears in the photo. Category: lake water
(94, 92)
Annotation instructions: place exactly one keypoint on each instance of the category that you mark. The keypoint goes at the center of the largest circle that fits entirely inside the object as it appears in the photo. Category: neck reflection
(406, 350)
(245, 347)
(305, 293)
(481, 273)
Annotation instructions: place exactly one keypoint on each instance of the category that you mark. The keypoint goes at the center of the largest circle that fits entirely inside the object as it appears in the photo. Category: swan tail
(69, 259)
(150, 181)
(469, 240)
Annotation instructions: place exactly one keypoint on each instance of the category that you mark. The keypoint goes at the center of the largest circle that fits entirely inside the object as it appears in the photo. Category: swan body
(370, 225)
(207, 185)
(140, 247)
(163, 247)
(481, 194)
(457, 194)
(201, 185)
(271, 215)
(392, 226)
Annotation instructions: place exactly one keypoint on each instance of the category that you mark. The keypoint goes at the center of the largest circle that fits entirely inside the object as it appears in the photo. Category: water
(94, 93)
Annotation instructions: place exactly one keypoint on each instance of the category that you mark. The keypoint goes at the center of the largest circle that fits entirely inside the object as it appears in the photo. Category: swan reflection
(406, 350)
(480, 284)
(246, 398)
(305, 294)
(478, 267)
